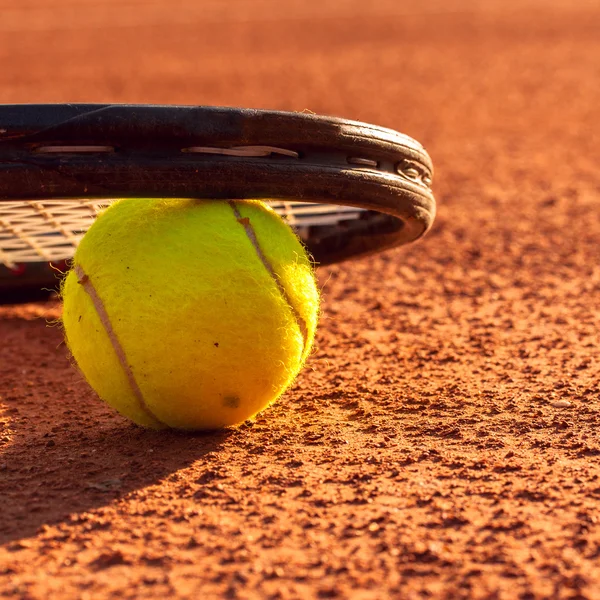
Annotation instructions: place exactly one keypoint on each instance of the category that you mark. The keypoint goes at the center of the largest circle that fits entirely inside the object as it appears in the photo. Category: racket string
(45, 231)
(50, 231)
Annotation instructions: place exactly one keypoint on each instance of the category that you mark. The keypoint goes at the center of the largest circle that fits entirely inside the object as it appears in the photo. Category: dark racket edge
(62, 151)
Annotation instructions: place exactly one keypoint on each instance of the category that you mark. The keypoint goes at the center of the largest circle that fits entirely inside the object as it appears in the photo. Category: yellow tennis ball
(192, 314)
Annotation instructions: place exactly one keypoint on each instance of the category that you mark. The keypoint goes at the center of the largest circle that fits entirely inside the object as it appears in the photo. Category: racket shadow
(62, 452)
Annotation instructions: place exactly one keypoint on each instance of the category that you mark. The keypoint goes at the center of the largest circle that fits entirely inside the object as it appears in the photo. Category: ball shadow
(62, 451)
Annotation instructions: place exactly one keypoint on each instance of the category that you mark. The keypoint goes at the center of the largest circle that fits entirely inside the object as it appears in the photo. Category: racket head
(347, 188)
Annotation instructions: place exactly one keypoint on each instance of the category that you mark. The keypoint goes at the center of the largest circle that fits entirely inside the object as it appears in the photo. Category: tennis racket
(347, 188)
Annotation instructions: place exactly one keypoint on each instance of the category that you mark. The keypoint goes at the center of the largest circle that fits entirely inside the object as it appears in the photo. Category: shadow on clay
(62, 451)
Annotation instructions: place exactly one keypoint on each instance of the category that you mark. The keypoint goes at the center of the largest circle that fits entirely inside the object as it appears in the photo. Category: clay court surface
(443, 441)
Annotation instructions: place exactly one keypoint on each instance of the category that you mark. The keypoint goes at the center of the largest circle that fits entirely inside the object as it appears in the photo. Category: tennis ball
(191, 314)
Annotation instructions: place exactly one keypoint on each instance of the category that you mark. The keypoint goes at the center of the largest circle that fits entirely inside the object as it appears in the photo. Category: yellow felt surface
(209, 337)
(292, 266)
(95, 354)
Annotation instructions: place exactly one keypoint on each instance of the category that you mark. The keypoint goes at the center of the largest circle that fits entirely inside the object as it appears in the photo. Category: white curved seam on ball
(252, 237)
(90, 290)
